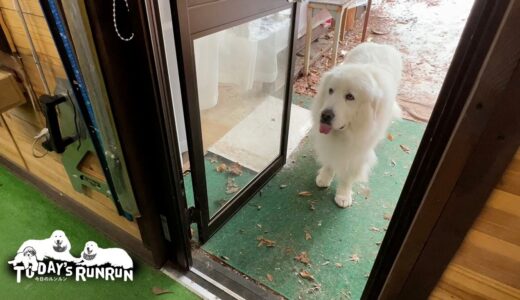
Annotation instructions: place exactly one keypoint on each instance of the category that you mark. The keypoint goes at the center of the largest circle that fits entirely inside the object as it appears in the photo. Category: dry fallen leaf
(338, 265)
(305, 194)
(231, 186)
(306, 275)
(354, 258)
(235, 169)
(393, 163)
(221, 168)
(262, 241)
(315, 288)
(405, 149)
(378, 31)
(390, 137)
(303, 258)
(159, 291)
(308, 236)
(373, 228)
(224, 257)
(283, 186)
(311, 205)
(387, 216)
(325, 263)
(269, 277)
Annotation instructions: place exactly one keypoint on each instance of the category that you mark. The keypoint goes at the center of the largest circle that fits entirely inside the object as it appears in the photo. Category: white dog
(354, 106)
(57, 247)
(92, 255)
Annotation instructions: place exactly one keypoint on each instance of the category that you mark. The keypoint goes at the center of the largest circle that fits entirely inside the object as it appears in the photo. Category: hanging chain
(115, 22)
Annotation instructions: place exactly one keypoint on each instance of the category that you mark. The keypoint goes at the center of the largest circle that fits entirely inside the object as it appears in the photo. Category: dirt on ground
(426, 32)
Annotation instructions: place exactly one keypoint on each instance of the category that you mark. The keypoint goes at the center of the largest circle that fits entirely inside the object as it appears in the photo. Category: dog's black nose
(327, 116)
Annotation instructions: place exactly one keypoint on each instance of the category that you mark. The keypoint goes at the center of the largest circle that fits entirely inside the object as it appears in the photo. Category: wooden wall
(487, 265)
(22, 121)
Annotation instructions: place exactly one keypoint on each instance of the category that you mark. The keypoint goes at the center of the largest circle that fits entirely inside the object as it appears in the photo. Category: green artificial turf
(279, 214)
(26, 214)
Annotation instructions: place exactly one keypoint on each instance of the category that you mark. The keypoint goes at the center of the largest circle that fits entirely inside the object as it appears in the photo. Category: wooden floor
(487, 265)
(22, 124)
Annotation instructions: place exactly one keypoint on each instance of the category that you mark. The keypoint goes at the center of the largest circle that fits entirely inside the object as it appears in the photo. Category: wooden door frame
(453, 175)
(139, 98)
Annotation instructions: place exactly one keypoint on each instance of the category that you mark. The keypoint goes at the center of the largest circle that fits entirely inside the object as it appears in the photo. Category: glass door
(235, 62)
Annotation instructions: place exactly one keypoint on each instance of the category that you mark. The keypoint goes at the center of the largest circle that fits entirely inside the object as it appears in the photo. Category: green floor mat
(223, 179)
(341, 244)
(26, 214)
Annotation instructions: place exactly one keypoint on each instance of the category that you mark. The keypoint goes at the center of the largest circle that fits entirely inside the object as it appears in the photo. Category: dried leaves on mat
(354, 258)
(265, 242)
(305, 194)
(390, 137)
(375, 229)
(231, 186)
(308, 235)
(159, 291)
(269, 277)
(405, 149)
(387, 217)
(235, 169)
(306, 275)
(221, 168)
(303, 257)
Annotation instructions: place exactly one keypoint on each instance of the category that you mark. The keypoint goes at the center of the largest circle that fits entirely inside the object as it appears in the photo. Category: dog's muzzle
(59, 248)
(326, 121)
(88, 256)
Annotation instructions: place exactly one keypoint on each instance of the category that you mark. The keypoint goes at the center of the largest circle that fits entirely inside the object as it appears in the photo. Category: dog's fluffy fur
(57, 246)
(360, 95)
(93, 255)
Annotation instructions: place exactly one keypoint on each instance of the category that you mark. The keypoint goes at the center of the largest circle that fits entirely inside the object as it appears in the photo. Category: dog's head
(90, 250)
(29, 252)
(348, 97)
(60, 242)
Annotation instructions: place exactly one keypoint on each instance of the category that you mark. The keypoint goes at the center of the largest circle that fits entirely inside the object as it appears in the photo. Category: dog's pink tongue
(325, 128)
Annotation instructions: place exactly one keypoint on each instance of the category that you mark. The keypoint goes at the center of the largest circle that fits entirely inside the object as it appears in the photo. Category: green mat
(330, 236)
(217, 181)
(26, 214)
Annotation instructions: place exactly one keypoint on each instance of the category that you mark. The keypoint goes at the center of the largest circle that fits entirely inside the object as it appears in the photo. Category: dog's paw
(343, 201)
(323, 179)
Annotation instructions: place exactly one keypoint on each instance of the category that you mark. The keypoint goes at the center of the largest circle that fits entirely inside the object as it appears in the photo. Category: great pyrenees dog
(93, 255)
(57, 247)
(354, 106)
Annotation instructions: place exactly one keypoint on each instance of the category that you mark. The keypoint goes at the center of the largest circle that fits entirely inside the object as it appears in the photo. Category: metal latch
(194, 215)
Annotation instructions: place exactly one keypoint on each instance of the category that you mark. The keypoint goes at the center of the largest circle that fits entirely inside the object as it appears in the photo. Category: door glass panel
(241, 78)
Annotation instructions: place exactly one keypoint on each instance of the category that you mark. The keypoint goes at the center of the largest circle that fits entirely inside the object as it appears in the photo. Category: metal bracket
(194, 214)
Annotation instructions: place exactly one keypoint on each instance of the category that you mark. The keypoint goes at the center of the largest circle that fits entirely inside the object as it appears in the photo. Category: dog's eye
(331, 91)
(349, 97)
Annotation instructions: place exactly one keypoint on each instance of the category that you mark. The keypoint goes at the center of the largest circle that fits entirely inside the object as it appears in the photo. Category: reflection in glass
(241, 78)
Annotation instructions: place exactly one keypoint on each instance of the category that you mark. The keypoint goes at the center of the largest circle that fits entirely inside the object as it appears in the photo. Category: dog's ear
(376, 96)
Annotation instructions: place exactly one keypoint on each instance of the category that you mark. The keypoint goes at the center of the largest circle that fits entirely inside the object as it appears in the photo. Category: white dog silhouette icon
(57, 247)
(93, 255)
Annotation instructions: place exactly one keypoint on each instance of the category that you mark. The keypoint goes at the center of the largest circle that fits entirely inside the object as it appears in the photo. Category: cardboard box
(11, 94)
